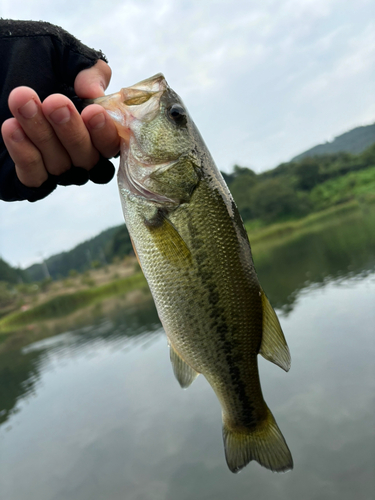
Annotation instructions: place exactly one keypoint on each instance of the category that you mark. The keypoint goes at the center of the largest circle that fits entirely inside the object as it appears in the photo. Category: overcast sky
(263, 80)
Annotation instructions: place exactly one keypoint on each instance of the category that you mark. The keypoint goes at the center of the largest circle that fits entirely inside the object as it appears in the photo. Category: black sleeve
(46, 58)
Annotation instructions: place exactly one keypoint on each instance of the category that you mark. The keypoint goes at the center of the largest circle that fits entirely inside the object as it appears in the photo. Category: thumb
(92, 82)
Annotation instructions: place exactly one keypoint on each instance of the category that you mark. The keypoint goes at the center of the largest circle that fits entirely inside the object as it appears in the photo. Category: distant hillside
(11, 274)
(289, 191)
(80, 258)
(355, 141)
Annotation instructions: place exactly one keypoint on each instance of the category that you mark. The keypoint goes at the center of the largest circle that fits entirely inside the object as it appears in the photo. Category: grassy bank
(280, 233)
(63, 305)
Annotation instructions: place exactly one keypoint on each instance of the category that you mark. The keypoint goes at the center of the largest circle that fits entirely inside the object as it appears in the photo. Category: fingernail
(29, 109)
(18, 135)
(60, 115)
(97, 121)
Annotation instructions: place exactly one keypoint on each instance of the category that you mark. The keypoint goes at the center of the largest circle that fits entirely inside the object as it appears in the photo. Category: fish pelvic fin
(182, 371)
(264, 444)
(273, 347)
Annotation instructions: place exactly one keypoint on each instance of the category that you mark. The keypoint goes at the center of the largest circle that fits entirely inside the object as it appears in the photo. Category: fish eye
(177, 114)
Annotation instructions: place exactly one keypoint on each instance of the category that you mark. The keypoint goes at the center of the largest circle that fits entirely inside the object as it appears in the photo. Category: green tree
(275, 198)
(11, 274)
(120, 245)
(244, 179)
(307, 172)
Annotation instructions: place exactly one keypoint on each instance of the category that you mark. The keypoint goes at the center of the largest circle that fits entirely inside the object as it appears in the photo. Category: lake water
(95, 412)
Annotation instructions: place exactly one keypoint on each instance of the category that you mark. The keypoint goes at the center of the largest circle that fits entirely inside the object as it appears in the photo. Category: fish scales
(195, 254)
(220, 324)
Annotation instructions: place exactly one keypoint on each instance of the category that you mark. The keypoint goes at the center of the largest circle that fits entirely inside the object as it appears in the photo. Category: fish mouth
(155, 83)
(138, 102)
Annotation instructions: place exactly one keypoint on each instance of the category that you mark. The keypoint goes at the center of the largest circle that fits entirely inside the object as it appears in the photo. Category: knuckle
(78, 141)
(33, 163)
(44, 138)
(81, 151)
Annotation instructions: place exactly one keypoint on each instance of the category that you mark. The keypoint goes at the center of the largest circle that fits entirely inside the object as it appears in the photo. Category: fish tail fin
(264, 443)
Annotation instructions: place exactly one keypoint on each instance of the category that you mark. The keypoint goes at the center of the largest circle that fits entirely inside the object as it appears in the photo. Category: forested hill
(295, 189)
(289, 191)
(91, 253)
(11, 274)
(355, 141)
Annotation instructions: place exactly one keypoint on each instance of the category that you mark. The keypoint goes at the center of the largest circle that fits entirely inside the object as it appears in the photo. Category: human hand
(49, 137)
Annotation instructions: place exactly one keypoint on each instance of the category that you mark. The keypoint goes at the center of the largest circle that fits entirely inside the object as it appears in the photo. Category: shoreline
(63, 298)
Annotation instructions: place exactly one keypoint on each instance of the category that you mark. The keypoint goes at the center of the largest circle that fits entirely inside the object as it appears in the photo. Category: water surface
(95, 412)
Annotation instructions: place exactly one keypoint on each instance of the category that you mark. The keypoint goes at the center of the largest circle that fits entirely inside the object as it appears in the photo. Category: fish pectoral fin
(263, 443)
(182, 371)
(273, 346)
(168, 240)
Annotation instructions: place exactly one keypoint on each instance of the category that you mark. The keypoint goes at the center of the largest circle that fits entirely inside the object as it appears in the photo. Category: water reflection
(113, 422)
(117, 329)
(18, 375)
(20, 367)
(343, 250)
(95, 413)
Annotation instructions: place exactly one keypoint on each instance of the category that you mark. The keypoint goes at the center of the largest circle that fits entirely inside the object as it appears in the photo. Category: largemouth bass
(194, 251)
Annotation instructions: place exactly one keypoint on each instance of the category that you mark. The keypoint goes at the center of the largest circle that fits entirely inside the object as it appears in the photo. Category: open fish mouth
(138, 102)
(155, 83)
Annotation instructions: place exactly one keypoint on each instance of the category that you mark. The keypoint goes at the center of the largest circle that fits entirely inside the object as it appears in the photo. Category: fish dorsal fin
(168, 240)
(273, 346)
(182, 371)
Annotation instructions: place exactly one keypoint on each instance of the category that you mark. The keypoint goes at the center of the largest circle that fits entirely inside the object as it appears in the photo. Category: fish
(195, 253)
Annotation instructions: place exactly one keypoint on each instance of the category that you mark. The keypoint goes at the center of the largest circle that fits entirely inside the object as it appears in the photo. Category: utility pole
(44, 267)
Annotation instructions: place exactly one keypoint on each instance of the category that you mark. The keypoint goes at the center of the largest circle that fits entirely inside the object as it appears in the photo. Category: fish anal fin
(182, 371)
(273, 347)
(265, 444)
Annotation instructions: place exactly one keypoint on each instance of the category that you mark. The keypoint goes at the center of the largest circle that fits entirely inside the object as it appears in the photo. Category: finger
(25, 106)
(27, 158)
(70, 130)
(92, 82)
(102, 130)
